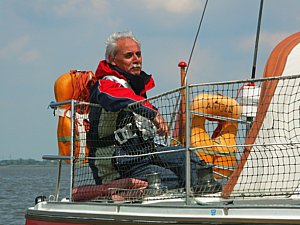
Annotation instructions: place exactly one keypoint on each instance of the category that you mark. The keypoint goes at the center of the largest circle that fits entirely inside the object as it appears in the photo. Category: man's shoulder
(116, 79)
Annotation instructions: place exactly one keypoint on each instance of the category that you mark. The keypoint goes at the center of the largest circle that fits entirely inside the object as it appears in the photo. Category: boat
(249, 130)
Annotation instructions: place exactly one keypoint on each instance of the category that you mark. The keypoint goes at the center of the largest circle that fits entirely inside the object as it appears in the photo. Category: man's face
(128, 57)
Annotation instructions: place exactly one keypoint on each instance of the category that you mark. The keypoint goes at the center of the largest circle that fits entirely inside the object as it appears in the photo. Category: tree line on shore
(18, 162)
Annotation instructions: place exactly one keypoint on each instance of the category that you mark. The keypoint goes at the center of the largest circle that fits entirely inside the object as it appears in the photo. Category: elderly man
(114, 130)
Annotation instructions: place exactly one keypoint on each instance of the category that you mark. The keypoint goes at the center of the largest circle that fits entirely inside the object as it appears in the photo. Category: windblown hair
(111, 43)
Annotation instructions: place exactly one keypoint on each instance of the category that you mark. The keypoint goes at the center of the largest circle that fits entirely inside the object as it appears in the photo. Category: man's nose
(135, 56)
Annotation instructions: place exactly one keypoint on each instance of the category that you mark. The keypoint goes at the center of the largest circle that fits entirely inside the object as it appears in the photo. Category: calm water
(20, 185)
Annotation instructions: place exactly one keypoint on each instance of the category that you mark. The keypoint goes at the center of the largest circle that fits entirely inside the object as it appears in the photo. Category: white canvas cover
(273, 163)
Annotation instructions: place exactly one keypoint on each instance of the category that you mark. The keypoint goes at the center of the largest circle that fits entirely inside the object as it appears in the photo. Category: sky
(42, 39)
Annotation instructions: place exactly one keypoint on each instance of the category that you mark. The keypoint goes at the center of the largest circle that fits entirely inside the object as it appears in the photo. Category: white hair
(111, 43)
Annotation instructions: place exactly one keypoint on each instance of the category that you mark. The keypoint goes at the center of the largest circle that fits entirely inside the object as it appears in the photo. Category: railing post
(72, 145)
(59, 158)
(58, 180)
(182, 111)
(184, 128)
(187, 144)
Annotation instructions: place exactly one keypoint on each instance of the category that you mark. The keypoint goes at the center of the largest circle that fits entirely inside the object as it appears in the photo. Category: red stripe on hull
(38, 222)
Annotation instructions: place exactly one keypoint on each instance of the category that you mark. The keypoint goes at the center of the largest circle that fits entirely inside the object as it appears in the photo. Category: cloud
(29, 56)
(267, 40)
(272, 39)
(20, 49)
(14, 47)
(86, 8)
(174, 6)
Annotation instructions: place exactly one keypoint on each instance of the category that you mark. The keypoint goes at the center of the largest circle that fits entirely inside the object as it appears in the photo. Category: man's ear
(112, 60)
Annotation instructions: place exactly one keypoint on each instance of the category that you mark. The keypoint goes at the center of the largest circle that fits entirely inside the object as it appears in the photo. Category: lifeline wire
(200, 23)
(257, 39)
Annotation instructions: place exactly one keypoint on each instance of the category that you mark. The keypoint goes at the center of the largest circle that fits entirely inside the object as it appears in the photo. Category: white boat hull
(170, 212)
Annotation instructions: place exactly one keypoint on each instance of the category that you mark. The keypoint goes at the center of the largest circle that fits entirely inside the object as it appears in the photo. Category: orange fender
(74, 85)
(224, 157)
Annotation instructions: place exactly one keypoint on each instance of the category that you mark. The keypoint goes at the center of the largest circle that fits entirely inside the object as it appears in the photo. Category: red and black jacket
(113, 96)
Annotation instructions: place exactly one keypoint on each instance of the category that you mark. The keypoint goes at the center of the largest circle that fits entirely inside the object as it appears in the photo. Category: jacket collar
(140, 84)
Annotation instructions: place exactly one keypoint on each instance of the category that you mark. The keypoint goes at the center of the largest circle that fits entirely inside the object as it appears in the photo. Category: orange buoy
(74, 85)
(220, 147)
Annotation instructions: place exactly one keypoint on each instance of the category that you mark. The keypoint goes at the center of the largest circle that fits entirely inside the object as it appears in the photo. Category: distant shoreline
(27, 162)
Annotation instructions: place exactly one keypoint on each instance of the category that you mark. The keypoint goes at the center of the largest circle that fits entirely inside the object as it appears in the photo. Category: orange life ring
(74, 85)
(220, 147)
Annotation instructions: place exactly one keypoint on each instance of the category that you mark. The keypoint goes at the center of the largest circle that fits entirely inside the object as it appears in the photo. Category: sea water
(20, 185)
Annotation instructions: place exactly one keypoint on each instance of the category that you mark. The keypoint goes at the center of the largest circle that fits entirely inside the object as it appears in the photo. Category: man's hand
(161, 125)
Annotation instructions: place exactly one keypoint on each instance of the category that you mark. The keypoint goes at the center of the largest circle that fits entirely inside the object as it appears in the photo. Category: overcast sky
(42, 39)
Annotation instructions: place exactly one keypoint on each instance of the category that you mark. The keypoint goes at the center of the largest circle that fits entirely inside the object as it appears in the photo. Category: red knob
(182, 64)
